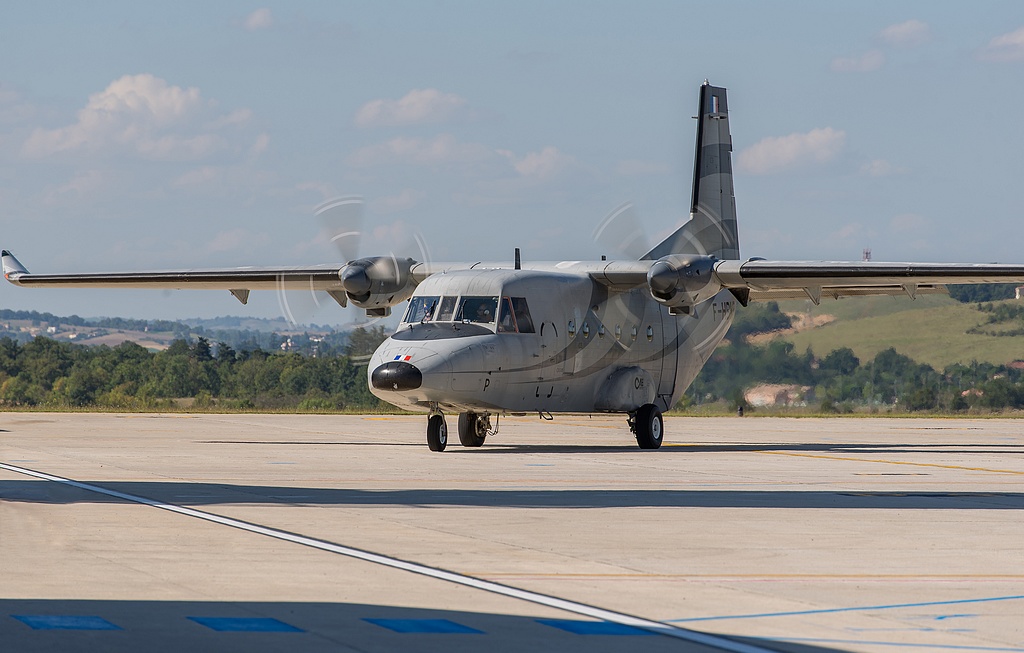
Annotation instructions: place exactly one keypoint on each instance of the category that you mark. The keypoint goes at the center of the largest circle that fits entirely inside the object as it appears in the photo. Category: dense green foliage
(758, 318)
(1003, 320)
(329, 373)
(46, 372)
(842, 383)
(981, 292)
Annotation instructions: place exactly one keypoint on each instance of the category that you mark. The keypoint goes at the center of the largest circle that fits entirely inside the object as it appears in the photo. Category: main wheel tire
(650, 427)
(437, 433)
(472, 430)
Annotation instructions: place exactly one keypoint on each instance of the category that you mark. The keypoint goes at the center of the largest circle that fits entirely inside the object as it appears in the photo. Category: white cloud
(851, 230)
(80, 187)
(144, 115)
(908, 223)
(539, 165)
(405, 200)
(417, 107)
(236, 240)
(865, 63)
(881, 168)
(259, 19)
(907, 34)
(83, 182)
(1006, 47)
(441, 149)
(260, 145)
(235, 118)
(13, 108)
(198, 176)
(638, 168)
(778, 153)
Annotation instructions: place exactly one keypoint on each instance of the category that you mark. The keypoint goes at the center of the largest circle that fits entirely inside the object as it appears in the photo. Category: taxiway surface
(344, 533)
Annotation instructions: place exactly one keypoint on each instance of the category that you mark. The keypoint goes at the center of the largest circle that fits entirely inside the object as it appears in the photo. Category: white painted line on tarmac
(714, 641)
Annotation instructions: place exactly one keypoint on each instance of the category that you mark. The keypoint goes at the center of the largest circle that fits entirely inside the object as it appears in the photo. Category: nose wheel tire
(437, 433)
(473, 429)
(650, 427)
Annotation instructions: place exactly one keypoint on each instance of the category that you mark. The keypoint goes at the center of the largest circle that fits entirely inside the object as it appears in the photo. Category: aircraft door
(549, 344)
(666, 338)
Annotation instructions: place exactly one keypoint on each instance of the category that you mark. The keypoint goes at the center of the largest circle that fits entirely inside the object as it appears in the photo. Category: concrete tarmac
(327, 533)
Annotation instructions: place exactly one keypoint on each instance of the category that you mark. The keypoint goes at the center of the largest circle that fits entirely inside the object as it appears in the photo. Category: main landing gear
(473, 430)
(648, 426)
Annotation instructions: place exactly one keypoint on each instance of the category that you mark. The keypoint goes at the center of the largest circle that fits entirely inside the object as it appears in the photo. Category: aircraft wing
(239, 281)
(762, 280)
(768, 280)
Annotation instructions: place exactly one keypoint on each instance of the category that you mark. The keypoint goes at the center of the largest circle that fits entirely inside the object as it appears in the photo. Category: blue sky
(154, 136)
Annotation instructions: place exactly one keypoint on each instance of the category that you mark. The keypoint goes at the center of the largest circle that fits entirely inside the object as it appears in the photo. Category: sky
(144, 136)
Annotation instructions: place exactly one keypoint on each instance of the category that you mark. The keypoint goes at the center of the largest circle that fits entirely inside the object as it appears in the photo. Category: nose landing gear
(437, 432)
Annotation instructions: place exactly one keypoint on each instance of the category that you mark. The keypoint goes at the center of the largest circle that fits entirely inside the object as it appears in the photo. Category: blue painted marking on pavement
(246, 625)
(945, 647)
(893, 606)
(592, 627)
(424, 626)
(954, 616)
(64, 622)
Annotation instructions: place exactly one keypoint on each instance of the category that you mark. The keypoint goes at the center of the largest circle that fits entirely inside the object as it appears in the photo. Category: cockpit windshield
(421, 309)
(479, 310)
(507, 314)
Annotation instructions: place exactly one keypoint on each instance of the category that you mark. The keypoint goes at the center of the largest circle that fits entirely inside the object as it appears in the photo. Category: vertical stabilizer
(711, 229)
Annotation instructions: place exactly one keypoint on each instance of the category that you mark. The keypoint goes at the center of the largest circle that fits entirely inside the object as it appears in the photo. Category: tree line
(49, 373)
(842, 382)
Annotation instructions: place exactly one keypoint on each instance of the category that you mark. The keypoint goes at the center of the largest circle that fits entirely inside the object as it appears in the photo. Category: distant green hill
(932, 329)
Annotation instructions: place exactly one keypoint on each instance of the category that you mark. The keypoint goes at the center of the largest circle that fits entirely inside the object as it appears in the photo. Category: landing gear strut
(473, 429)
(437, 432)
(648, 426)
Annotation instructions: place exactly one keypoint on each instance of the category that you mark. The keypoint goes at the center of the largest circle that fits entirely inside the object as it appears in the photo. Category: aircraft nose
(396, 375)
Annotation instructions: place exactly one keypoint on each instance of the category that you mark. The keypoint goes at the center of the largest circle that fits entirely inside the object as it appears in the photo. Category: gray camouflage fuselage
(594, 348)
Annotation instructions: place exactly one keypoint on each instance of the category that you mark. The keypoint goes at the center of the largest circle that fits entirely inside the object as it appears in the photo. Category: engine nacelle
(681, 281)
(377, 283)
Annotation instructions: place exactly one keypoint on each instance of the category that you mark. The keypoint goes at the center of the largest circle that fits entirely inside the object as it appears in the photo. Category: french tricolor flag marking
(402, 358)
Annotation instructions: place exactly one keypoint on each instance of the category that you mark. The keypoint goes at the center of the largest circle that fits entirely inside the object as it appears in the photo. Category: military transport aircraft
(485, 339)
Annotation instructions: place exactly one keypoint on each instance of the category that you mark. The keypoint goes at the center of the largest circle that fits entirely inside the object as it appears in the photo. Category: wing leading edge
(766, 280)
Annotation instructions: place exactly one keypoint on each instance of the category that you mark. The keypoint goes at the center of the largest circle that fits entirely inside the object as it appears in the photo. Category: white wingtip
(12, 266)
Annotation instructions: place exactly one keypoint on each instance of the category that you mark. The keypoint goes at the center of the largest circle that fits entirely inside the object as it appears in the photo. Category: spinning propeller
(622, 232)
(372, 283)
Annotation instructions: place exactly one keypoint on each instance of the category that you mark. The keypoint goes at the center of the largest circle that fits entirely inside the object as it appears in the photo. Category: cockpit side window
(522, 313)
(421, 309)
(507, 320)
(480, 310)
(447, 309)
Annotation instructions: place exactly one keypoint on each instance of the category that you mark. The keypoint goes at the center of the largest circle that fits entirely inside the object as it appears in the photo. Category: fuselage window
(477, 309)
(522, 313)
(447, 309)
(421, 309)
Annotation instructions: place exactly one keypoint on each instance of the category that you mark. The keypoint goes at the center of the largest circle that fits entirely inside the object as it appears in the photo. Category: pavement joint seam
(594, 612)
